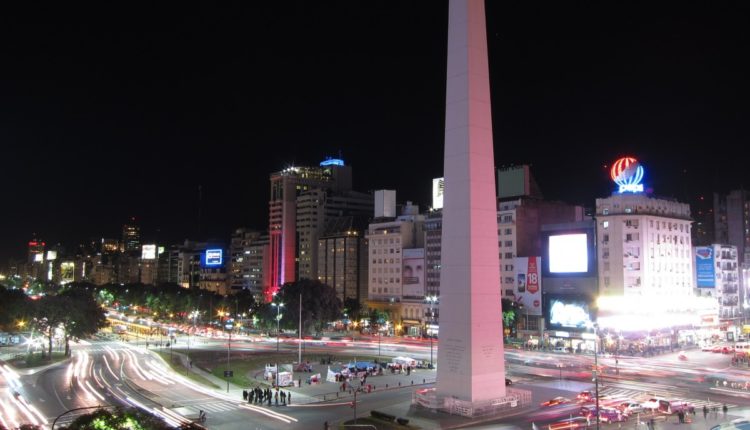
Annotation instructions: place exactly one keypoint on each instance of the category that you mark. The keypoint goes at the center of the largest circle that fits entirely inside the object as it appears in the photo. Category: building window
(508, 255)
(508, 243)
(605, 224)
(605, 239)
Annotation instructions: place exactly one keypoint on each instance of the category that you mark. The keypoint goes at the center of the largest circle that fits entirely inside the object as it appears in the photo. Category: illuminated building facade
(249, 260)
(644, 246)
(732, 227)
(387, 240)
(286, 186)
(342, 257)
(131, 237)
(316, 208)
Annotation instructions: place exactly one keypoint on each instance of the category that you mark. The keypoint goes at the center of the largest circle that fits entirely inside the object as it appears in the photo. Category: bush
(383, 416)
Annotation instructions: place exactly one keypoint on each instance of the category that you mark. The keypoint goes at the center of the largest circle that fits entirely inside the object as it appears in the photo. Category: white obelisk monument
(471, 365)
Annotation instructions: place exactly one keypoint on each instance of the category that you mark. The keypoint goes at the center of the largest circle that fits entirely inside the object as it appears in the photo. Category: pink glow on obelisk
(470, 357)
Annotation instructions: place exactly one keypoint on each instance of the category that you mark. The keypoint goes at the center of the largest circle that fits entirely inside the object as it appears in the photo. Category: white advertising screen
(148, 252)
(438, 187)
(413, 273)
(568, 253)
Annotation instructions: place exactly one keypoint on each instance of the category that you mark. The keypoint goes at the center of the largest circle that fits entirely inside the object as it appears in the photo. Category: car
(570, 423)
(652, 403)
(561, 349)
(555, 401)
(508, 381)
(585, 396)
(606, 415)
(630, 408)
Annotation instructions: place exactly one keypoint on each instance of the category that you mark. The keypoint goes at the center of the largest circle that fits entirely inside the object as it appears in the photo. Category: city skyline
(104, 119)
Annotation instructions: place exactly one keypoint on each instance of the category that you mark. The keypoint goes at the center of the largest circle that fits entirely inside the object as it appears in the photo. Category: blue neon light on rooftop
(332, 162)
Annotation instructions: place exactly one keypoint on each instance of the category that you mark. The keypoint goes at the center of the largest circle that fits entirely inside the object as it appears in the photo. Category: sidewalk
(323, 391)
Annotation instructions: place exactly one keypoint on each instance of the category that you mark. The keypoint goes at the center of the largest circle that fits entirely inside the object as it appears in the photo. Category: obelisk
(471, 365)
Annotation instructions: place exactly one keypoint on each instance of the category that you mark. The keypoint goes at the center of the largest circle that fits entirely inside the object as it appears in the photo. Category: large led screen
(213, 258)
(573, 312)
(568, 253)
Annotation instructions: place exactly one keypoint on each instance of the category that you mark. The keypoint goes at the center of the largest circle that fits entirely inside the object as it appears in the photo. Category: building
(342, 257)
(286, 186)
(316, 209)
(248, 261)
(717, 275)
(131, 237)
(732, 227)
(387, 241)
(644, 246)
(168, 266)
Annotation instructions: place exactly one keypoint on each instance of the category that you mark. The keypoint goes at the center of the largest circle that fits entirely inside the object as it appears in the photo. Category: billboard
(38, 257)
(565, 312)
(568, 253)
(51, 255)
(438, 188)
(528, 286)
(413, 273)
(148, 252)
(704, 267)
(67, 272)
(213, 257)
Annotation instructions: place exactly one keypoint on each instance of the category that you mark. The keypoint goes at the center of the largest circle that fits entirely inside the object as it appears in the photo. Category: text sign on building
(214, 257)
(704, 267)
(627, 172)
(528, 291)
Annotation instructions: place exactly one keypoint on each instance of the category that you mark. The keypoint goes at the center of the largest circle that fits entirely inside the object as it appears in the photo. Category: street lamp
(278, 307)
(432, 300)
(595, 328)
(228, 372)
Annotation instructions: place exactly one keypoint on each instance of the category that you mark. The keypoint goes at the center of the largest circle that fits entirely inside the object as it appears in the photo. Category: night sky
(107, 113)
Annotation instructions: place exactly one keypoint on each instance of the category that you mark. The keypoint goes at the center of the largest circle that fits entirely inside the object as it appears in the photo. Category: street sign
(229, 373)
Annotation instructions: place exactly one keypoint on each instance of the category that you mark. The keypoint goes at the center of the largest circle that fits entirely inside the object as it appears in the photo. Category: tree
(128, 419)
(50, 312)
(85, 316)
(320, 305)
(510, 314)
(15, 307)
(353, 308)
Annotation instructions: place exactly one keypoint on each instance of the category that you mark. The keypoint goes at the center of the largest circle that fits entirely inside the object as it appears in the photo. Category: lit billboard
(67, 272)
(148, 252)
(528, 286)
(51, 255)
(568, 253)
(413, 273)
(705, 267)
(213, 257)
(438, 189)
(565, 312)
(39, 257)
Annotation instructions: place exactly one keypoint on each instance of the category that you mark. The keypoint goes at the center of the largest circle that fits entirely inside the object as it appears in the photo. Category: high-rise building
(316, 208)
(342, 257)
(732, 226)
(249, 258)
(286, 186)
(167, 268)
(131, 237)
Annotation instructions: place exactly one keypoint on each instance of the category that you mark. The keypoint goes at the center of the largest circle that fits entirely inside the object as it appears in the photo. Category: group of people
(266, 395)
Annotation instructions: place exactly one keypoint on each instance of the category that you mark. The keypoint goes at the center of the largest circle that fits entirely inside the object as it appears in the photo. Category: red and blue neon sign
(627, 172)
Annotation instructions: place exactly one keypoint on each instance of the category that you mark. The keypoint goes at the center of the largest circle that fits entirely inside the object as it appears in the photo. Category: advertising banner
(413, 273)
(704, 267)
(528, 288)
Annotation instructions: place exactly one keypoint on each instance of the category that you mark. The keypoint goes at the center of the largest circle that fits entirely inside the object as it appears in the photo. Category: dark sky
(125, 110)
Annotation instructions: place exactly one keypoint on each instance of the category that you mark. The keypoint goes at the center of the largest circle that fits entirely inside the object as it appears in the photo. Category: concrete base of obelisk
(510, 404)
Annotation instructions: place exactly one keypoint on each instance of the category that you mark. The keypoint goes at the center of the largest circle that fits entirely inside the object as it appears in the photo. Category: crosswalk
(644, 391)
(213, 406)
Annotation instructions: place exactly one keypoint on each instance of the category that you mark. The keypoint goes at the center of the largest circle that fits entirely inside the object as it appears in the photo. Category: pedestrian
(283, 398)
(289, 398)
(705, 412)
(277, 398)
(244, 394)
(724, 409)
(251, 396)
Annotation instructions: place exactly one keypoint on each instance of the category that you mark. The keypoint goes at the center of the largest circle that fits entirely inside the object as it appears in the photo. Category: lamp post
(278, 307)
(595, 328)
(432, 300)
(222, 314)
